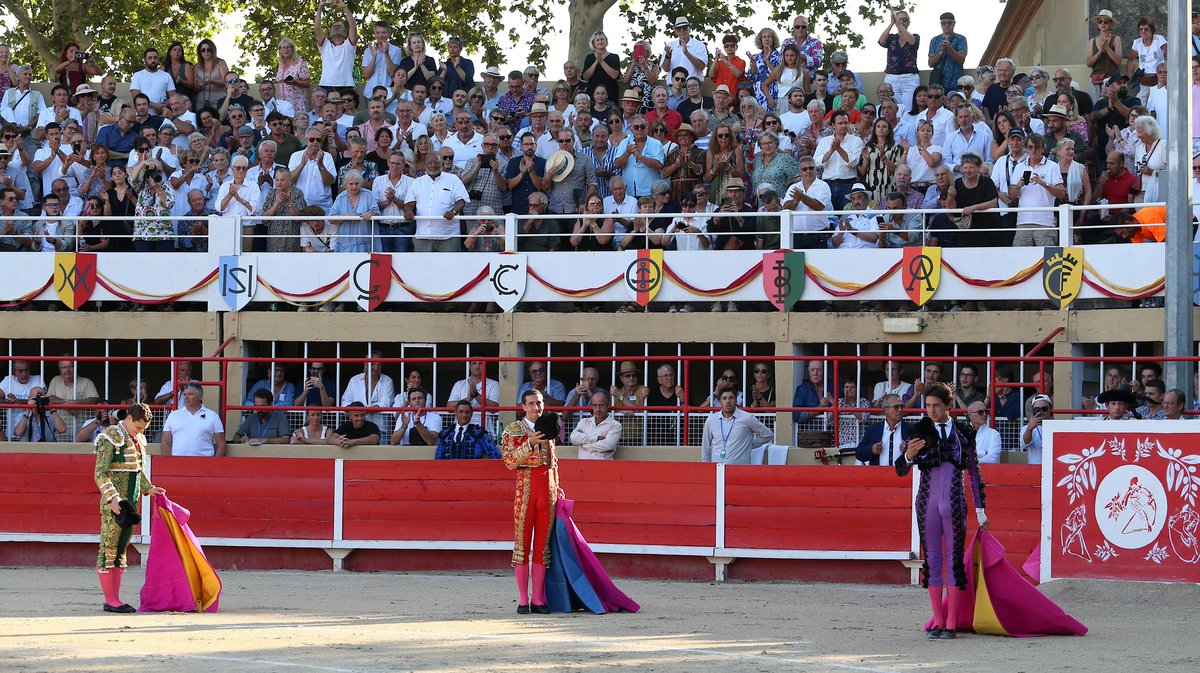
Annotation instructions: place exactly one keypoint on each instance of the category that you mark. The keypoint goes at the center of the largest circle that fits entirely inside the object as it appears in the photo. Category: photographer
(40, 422)
(74, 67)
(154, 231)
(103, 418)
(1031, 434)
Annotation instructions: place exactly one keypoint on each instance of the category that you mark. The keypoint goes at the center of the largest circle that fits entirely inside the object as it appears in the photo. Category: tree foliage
(118, 30)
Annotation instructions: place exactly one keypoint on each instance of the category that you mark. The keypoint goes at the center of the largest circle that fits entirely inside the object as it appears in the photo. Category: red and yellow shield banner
(372, 278)
(644, 276)
(921, 271)
(74, 277)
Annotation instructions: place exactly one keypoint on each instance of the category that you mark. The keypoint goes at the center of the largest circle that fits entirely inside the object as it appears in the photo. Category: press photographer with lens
(39, 423)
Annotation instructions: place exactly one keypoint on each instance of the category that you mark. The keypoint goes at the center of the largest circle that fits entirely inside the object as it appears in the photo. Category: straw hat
(554, 161)
(1106, 14)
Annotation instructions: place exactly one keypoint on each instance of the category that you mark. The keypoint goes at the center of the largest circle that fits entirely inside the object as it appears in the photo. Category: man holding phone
(1040, 184)
(1031, 434)
(316, 387)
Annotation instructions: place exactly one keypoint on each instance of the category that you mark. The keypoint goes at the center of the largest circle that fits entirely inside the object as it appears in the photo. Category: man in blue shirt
(807, 395)
(119, 137)
(946, 55)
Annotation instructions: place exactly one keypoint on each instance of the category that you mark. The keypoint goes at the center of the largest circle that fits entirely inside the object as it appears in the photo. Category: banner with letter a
(920, 272)
(74, 277)
(783, 278)
(644, 276)
(237, 280)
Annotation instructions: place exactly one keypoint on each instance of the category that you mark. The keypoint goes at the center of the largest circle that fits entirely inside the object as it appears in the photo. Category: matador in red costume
(533, 458)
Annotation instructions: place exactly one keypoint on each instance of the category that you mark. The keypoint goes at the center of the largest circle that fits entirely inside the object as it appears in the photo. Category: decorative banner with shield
(783, 278)
(1062, 275)
(1119, 500)
(74, 277)
(921, 273)
(644, 276)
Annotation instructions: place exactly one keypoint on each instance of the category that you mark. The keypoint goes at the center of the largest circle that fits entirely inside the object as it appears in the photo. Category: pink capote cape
(178, 576)
(999, 601)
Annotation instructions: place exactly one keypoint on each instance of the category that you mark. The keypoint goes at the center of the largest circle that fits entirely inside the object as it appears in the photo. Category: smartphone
(1025, 178)
(639, 51)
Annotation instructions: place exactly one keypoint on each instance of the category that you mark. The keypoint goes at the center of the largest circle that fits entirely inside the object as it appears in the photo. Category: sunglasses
(505, 137)
(798, 26)
(638, 127)
(808, 168)
(728, 378)
(1041, 409)
(10, 136)
(723, 135)
(205, 49)
(435, 88)
(678, 79)
(760, 371)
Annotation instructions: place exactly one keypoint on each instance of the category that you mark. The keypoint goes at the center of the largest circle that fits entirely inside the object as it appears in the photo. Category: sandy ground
(351, 622)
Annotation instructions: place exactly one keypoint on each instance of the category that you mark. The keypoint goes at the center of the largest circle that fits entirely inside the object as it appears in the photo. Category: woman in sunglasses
(210, 74)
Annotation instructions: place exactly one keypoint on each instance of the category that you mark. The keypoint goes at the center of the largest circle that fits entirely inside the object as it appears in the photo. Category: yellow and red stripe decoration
(448, 296)
(287, 297)
(28, 296)
(1119, 291)
(566, 292)
(737, 284)
(150, 298)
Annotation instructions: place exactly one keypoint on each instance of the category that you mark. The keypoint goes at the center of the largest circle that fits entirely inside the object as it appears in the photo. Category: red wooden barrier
(279, 498)
(1014, 508)
(828, 508)
(643, 503)
(49, 493)
(427, 500)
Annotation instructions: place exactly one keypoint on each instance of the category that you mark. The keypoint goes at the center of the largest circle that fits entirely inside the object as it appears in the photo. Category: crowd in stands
(419, 152)
(630, 412)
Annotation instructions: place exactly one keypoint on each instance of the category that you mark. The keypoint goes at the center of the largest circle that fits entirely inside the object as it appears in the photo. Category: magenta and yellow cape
(178, 576)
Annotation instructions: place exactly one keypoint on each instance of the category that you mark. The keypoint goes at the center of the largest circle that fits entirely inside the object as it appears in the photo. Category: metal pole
(1178, 189)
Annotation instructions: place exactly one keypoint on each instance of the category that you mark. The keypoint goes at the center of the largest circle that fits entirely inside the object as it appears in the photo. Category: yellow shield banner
(921, 271)
(74, 277)
(1062, 275)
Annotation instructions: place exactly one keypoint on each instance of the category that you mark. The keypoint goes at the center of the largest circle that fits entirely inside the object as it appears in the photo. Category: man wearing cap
(812, 52)
(856, 231)
(1007, 171)
(1031, 433)
(947, 52)
(684, 52)
(837, 65)
(15, 235)
(536, 128)
(723, 111)
(839, 155)
(1055, 118)
(641, 159)
(14, 177)
(491, 87)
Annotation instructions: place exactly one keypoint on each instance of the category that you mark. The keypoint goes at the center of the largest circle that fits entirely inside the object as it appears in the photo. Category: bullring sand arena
(381, 622)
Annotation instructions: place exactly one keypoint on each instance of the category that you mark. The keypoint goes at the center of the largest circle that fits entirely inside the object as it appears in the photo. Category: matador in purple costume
(943, 451)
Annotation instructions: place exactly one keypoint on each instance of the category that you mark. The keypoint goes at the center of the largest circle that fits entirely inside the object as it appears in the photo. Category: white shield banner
(237, 279)
(508, 279)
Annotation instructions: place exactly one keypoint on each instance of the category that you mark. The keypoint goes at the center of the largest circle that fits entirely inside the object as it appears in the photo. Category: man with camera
(39, 423)
(1031, 434)
(151, 81)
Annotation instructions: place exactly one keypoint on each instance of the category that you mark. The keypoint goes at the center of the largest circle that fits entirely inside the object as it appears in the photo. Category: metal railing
(643, 425)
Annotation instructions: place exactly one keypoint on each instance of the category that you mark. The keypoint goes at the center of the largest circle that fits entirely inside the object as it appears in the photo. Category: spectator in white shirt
(372, 388)
(857, 231)
(597, 435)
(967, 138)
(238, 197)
(415, 424)
(685, 52)
(151, 81)
(987, 440)
(839, 155)
(809, 194)
(391, 193)
(475, 390)
(59, 112)
(337, 49)
(1040, 184)
(441, 196)
(314, 171)
(194, 429)
(1031, 434)
(271, 103)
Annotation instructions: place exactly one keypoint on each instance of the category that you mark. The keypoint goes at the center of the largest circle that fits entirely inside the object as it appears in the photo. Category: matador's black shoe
(948, 634)
(539, 609)
(522, 609)
(123, 609)
(934, 633)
